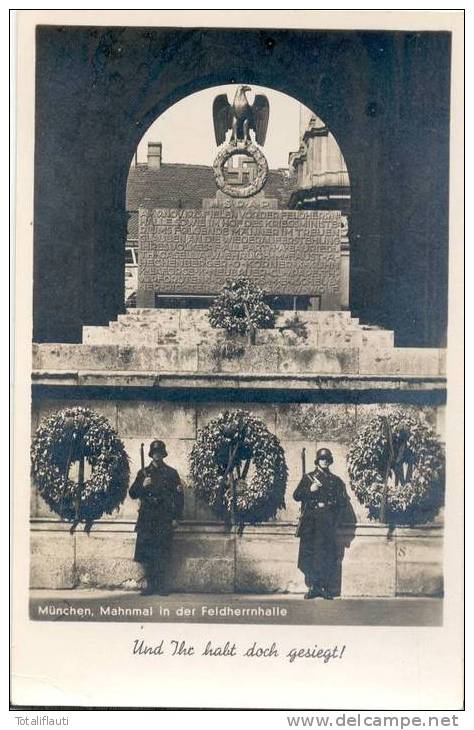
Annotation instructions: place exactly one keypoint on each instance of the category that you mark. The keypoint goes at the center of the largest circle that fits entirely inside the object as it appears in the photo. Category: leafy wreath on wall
(79, 435)
(396, 468)
(220, 463)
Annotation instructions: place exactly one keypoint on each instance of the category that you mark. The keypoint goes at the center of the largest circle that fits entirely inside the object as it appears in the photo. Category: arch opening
(172, 170)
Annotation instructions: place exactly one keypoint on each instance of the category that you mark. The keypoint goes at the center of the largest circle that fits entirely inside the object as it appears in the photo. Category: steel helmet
(157, 446)
(324, 454)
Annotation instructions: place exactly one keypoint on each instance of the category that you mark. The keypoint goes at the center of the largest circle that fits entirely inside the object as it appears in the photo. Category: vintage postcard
(238, 401)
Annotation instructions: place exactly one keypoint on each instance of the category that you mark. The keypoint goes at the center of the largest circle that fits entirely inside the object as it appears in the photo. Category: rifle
(388, 469)
(303, 508)
(142, 456)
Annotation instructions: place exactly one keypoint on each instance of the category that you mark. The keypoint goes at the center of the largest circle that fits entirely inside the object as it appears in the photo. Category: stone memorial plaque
(285, 251)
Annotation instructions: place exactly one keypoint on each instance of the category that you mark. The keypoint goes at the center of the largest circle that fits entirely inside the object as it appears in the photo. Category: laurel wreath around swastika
(241, 191)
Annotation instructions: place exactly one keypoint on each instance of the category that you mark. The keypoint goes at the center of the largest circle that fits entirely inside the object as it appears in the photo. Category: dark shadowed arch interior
(384, 95)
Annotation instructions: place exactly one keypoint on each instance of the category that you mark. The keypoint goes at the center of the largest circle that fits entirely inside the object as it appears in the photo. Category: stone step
(158, 330)
(195, 316)
(133, 339)
(119, 334)
(259, 358)
(191, 327)
(112, 336)
(402, 361)
(356, 337)
(125, 332)
(353, 337)
(163, 317)
(167, 358)
(316, 315)
(143, 331)
(186, 320)
(95, 335)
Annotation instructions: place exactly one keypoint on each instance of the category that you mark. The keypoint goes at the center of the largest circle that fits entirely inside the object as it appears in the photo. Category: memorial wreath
(220, 462)
(240, 307)
(396, 468)
(79, 435)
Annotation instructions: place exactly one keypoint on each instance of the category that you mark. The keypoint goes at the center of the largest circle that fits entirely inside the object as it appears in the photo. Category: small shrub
(297, 326)
(240, 308)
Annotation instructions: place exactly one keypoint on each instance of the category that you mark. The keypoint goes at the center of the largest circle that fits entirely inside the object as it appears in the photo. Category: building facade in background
(322, 182)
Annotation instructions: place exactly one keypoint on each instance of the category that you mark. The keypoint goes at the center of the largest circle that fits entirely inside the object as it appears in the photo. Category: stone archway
(384, 95)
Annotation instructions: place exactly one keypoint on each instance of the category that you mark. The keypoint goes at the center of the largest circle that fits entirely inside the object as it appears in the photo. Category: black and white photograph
(238, 384)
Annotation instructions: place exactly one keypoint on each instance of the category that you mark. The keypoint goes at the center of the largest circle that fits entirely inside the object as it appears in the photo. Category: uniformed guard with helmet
(323, 500)
(159, 489)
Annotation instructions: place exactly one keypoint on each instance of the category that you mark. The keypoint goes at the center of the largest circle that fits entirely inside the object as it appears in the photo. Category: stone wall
(206, 557)
(195, 251)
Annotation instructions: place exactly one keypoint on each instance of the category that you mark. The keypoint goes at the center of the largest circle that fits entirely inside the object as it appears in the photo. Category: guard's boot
(148, 590)
(314, 592)
(162, 589)
(162, 586)
(326, 593)
(151, 581)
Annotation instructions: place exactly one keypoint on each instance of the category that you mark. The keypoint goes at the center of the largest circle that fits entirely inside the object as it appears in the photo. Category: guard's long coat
(317, 555)
(160, 504)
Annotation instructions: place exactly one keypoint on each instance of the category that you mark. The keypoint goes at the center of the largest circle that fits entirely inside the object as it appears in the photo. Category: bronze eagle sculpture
(241, 117)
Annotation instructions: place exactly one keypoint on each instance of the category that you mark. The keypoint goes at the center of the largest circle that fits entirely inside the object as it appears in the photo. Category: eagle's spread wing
(222, 115)
(260, 112)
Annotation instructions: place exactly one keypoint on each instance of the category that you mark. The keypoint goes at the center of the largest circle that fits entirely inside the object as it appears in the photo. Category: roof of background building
(184, 186)
(132, 227)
